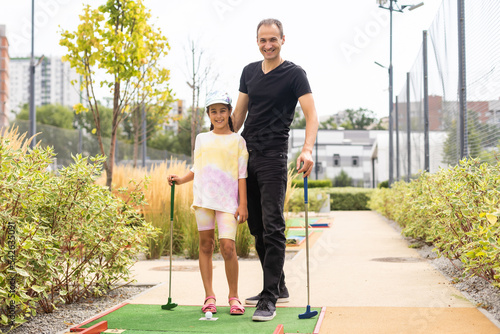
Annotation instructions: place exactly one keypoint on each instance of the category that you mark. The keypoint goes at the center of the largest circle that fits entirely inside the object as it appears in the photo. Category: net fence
(67, 143)
(482, 73)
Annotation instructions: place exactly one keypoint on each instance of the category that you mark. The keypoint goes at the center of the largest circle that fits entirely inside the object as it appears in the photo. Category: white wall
(364, 144)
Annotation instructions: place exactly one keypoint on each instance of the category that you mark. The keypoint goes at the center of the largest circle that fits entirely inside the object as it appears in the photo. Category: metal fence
(452, 88)
(67, 143)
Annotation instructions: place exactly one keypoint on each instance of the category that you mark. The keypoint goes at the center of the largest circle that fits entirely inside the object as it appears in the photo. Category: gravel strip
(67, 316)
(477, 290)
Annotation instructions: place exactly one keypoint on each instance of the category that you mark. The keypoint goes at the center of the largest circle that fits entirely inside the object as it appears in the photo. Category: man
(269, 91)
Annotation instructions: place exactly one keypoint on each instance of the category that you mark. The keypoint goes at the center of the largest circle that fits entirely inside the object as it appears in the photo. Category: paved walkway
(361, 269)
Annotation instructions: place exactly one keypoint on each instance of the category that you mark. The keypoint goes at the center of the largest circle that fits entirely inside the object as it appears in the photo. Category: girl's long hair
(229, 121)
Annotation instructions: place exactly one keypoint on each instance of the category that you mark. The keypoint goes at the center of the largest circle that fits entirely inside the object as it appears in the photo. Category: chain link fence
(440, 57)
(67, 143)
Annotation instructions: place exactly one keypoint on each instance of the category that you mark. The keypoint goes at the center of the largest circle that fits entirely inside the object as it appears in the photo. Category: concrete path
(361, 269)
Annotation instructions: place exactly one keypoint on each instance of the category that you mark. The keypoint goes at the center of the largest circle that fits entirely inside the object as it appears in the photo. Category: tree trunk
(114, 130)
(137, 131)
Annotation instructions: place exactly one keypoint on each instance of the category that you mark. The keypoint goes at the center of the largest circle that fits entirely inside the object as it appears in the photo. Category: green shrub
(316, 199)
(74, 238)
(349, 198)
(383, 184)
(341, 199)
(312, 183)
(342, 180)
(456, 209)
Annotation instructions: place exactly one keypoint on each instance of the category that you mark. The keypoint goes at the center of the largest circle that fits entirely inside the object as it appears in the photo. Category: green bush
(383, 184)
(341, 199)
(456, 209)
(349, 198)
(316, 199)
(74, 238)
(312, 183)
(342, 180)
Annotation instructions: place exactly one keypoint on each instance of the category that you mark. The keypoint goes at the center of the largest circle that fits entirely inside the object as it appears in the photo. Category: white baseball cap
(217, 96)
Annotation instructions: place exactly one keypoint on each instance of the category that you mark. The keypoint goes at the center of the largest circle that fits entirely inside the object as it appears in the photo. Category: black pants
(266, 188)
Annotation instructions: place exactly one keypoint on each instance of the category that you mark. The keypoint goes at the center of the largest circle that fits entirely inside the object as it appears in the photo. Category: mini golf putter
(170, 305)
(308, 313)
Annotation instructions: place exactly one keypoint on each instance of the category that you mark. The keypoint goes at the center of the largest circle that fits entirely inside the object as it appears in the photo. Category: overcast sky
(336, 42)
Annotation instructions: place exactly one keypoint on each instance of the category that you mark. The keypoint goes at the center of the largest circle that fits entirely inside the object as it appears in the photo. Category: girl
(219, 172)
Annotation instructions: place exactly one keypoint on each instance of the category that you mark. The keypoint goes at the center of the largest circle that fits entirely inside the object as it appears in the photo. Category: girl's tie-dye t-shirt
(219, 162)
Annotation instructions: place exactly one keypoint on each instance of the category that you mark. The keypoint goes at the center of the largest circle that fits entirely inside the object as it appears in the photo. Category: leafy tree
(329, 124)
(379, 126)
(87, 121)
(180, 143)
(117, 39)
(347, 125)
(156, 116)
(359, 119)
(299, 121)
(342, 180)
(474, 134)
(55, 128)
(50, 114)
(478, 136)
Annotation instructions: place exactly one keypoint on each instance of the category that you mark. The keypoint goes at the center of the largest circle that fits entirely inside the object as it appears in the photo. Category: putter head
(308, 314)
(169, 305)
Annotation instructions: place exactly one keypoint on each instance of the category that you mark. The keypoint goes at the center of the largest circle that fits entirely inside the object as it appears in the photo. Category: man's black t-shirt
(272, 101)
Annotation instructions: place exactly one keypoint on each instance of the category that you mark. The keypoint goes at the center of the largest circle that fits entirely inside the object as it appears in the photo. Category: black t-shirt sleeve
(300, 83)
(243, 84)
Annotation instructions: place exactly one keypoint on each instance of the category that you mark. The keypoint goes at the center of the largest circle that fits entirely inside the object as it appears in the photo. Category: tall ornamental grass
(156, 209)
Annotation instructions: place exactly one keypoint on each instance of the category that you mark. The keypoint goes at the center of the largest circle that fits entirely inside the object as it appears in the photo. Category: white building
(4, 78)
(52, 83)
(364, 154)
(175, 114)
(494, 110)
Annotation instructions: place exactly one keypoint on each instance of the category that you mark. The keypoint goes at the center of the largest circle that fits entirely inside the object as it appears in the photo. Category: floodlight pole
(32, 112)
(144, 128)
(462, 81)
(391, 148)
(391, 73)
(390, 70)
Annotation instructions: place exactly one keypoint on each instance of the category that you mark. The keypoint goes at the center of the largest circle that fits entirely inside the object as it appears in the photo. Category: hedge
(312, 183)
(456, 209)
(349, 198)
(341, 199)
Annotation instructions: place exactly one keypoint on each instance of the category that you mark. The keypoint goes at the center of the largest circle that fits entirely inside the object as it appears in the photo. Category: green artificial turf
(142, 319)
(299, 222)
(297, 232)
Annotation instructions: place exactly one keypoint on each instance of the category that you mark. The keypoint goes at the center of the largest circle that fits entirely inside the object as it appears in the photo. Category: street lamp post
(32, 113)
(393, 6)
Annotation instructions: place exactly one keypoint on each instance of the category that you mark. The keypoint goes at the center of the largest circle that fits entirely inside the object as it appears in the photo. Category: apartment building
(52, 82)
(4, 78)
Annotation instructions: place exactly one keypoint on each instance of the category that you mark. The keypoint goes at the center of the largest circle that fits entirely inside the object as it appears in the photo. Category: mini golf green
(142, 319)
(299, 222)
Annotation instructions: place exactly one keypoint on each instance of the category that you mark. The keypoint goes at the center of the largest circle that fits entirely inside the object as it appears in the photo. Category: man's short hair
(270, 22)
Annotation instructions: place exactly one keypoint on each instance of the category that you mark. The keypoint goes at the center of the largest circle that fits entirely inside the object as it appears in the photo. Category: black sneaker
(265, 311)
(283, 298)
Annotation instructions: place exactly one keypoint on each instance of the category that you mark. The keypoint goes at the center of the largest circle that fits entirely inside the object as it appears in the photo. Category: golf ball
(208, 315)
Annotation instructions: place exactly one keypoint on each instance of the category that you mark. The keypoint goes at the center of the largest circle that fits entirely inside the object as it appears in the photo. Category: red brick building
(487, 111)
